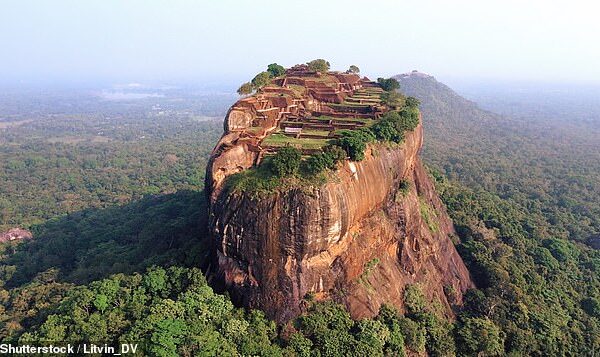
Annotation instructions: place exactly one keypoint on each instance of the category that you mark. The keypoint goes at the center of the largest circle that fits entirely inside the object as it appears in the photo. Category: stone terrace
(305, 109)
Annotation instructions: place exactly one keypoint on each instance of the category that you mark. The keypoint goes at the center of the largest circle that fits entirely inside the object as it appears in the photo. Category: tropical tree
(276, 70)
(388, 84)
(480, 336)
(319, 65)
(287, 161)
(354, 142)
(394, 99)
(353, 69)
(245, 89)
(261, 80)
(327, 159)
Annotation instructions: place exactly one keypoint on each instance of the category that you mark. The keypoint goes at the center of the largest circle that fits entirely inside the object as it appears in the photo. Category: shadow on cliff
(95, 243)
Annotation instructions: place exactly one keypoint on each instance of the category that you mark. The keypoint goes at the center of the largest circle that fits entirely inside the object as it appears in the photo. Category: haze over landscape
(74, 41)
(271, 178)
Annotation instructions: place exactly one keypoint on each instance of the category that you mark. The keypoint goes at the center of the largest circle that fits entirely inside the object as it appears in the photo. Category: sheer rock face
(358, 239)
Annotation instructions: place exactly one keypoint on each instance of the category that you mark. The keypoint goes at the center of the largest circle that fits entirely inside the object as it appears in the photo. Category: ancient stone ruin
(359, 238)
(303, 104)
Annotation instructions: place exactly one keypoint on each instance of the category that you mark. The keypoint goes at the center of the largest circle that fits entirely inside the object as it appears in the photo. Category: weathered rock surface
(358, 239)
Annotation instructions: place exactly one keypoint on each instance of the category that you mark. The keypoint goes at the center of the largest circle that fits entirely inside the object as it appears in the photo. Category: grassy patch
(297, 89)
(260, 181)
(369, 101)
(369, 91)
(352, 120)
(403, 190)
(363, 279)
(366, 97)
(348, 104)
(429, 215)
(280, 140)
(323, 133)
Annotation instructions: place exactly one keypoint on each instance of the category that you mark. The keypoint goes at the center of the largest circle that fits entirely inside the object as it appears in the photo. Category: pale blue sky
(172, 40)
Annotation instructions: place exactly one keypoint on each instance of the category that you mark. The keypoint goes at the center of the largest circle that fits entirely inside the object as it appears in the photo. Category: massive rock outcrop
(359, 239)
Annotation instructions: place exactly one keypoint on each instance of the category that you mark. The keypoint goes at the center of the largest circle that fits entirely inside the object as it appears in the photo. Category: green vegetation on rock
(286, 162)
(282, 140)
(276, 70)
(354, 142)
(388, 84)
(245, 89)
(329, 158)
(429, 215)
(261, 80)
(353, 69)
(265, 179)
(394, 99)
(319, 65)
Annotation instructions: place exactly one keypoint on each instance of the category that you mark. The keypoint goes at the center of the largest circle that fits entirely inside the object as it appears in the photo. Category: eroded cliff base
(358, 240)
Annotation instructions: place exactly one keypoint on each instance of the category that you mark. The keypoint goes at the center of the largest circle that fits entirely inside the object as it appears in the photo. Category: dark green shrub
(409, 119)
(354, 142)
(390, 316)
(300, 345)
(474, 303)
(404, 187)
(414, 300)
(479, 336)
(316, 163)
(414, 334)
(335, 155)
(385, 130)
(286, 161)
(393, 99)
(319, 65)
(371, 337)
(393, 124)
(544, 257)
(329, 158)
(276, 70)
(591, 306)
(439, 338)
(245, 89)
(388, 84)
(354, 146)
(561, 249)
(261, 79)
(353, 69)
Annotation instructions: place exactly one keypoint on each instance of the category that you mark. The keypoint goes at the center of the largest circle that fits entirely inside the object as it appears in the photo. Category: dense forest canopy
(119, 260)
(542, 158)
(62, 153)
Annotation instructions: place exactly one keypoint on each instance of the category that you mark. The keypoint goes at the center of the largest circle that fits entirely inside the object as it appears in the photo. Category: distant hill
(451, 120)
(433, 94)
(550, 166)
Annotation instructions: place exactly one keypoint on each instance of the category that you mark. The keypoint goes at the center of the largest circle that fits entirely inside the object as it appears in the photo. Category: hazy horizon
(114, 41)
